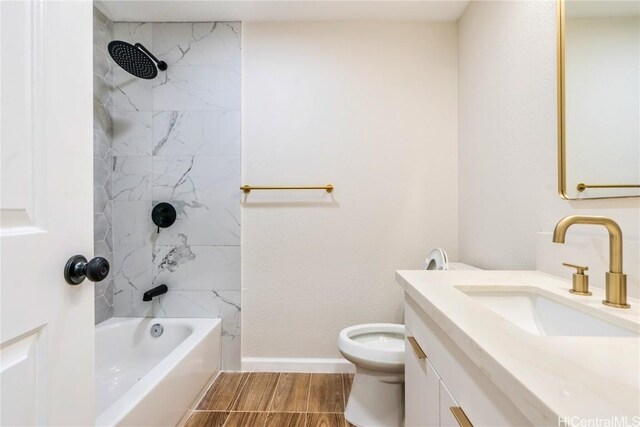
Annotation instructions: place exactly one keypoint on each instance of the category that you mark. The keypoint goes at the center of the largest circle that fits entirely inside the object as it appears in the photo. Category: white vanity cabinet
(422, 387)
(443, 387)
(447, 407)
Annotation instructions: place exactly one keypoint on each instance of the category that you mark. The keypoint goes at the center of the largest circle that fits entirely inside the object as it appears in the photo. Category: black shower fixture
(136, 59)
(163, 215)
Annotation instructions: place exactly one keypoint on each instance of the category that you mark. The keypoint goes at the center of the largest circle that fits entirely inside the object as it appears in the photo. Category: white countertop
(546, 377)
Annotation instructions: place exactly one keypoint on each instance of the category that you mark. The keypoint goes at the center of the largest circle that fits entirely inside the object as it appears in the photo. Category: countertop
(546, 377)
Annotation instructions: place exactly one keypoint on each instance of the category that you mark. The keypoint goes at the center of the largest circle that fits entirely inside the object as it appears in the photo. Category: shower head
(135, 59)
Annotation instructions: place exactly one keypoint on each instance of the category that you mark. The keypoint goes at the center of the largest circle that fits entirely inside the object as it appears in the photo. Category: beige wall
(370, 108)
(507, 136)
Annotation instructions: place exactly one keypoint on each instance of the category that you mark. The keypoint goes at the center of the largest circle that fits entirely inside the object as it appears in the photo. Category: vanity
(525, 348)
(515, 348)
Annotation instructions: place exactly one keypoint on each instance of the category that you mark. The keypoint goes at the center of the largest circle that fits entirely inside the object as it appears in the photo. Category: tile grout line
(226, 419)
(345, 398)
(344, 393)
(236, 399)
(306, 409)
(306, 414)
(244, 383)
(275, 389)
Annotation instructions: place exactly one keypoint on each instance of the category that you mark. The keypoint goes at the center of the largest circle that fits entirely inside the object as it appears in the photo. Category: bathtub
(143, 380)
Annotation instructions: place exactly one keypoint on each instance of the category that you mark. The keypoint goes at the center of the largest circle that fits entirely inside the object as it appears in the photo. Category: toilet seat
(377, 346)
(437, 260)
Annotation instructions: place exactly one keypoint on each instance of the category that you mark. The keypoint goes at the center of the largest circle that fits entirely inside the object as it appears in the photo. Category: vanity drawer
(422, 387)
(451, 414)
(482, 402)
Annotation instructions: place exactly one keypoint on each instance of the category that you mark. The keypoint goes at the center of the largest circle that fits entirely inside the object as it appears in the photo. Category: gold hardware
(416, 348)
(616, 280)
(580, 280)
(616, 290)
(460, 416)
(562, 128)
(248, 188)
(562, 151)
(582, 186)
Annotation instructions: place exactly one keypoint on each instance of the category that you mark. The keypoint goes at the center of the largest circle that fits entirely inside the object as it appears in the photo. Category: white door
(46, 331)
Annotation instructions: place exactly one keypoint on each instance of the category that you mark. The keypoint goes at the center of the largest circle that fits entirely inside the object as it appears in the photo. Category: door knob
(77, 269)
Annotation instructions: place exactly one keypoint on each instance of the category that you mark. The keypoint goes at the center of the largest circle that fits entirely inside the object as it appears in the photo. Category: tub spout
(152, 293)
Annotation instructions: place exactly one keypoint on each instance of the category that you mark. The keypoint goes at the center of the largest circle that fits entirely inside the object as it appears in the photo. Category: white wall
(507, 136)
(370, 108)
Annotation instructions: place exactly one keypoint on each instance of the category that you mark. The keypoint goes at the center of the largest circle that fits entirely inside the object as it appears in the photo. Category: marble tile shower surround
(102, 160)
(176, 139)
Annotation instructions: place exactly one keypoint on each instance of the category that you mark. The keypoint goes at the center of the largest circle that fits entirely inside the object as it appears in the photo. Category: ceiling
(278, 10)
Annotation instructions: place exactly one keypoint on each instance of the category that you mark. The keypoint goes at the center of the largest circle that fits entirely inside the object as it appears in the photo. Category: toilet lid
(437, 260)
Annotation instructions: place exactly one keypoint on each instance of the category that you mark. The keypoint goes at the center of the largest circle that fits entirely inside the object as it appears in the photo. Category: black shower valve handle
(163, 215)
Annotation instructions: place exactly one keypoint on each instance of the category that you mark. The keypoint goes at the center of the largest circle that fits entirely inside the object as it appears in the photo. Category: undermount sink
(539, 314)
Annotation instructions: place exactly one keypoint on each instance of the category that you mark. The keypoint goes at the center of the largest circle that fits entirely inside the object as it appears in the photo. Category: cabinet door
(422, 393)
(451, 415)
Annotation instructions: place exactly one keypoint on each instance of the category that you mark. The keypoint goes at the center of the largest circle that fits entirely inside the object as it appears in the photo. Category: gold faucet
(616, 279)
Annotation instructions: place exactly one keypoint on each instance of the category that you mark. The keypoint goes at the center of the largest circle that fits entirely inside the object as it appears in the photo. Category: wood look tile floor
(273, 399)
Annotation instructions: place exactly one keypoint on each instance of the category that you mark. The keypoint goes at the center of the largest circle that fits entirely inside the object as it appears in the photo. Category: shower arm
(161, 64)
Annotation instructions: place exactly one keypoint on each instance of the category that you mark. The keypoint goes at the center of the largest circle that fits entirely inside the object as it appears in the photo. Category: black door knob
(77, 269)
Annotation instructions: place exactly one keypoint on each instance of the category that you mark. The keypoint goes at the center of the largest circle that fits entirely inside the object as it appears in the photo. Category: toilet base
(376, 399)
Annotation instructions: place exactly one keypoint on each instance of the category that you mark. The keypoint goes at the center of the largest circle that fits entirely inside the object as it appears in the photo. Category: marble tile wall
(176, 139)
(102, 160)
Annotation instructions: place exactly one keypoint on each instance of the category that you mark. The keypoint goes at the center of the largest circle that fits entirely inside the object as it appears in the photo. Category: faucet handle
(579, 268)
(580, 280)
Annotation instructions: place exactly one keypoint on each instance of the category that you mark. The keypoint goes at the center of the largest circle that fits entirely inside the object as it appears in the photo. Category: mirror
(598, 99)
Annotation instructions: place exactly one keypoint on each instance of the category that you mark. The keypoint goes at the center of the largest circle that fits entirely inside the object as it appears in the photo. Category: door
(46, 331)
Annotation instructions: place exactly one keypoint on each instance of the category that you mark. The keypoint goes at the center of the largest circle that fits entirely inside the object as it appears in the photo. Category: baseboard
(283, 364)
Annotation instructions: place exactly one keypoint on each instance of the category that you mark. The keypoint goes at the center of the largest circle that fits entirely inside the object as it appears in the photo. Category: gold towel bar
(328, 188)
(582, 186)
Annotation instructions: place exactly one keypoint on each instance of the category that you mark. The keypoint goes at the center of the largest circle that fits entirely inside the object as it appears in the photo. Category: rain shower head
(135, 59)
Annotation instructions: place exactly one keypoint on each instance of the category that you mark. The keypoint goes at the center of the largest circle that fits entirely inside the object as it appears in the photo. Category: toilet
(377, 349)
(377, 393)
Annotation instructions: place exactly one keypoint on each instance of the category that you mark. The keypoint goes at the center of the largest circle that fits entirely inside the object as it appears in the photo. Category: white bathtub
(147, 381)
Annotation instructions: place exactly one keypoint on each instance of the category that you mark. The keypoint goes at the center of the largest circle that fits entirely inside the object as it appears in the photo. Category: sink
(542, 314)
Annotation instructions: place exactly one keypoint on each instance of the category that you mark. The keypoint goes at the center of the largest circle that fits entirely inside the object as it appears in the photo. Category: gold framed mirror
(598, 99)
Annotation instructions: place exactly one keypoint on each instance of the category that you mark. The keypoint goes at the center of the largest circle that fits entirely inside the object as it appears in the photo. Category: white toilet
(377, 393)
(377, 350)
